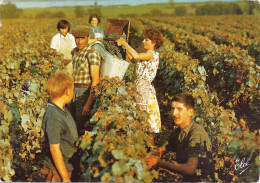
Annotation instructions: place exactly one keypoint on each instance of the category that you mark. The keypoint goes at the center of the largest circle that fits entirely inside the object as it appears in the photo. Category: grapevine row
(241, 77)
(234, 35)
(25, 67)
(179, 73)
(243, 25)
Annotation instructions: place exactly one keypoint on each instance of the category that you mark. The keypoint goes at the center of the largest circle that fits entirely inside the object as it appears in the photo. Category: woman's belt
(80, 85)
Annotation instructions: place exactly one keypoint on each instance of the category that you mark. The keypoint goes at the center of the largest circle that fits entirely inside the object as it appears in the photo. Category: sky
(60, 3)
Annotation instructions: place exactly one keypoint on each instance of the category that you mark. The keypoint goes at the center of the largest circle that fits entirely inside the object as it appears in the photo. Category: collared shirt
(185, 131)
(55, 42)
(60, 128)
(81, 65)
(192, 141)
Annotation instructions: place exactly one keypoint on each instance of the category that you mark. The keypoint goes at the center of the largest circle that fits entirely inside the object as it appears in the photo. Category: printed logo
(242, 165)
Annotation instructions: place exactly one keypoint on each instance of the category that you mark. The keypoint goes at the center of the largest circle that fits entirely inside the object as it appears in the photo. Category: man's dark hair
(184, 98)
(63, 24)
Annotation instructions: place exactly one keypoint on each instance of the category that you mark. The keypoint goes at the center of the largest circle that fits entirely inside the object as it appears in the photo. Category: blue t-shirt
(60, 128)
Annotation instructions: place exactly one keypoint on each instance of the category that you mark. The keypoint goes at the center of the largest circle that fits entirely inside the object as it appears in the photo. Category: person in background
(145, 71)
(60, 130)
(86, 64)
(190, 141)
(96, 34)
(62, 44)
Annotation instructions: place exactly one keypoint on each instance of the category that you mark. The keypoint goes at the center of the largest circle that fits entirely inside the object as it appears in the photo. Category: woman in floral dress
(145, 71)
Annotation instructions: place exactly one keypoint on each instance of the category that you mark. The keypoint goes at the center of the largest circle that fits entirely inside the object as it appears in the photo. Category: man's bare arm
(187, 168)
(94, 70)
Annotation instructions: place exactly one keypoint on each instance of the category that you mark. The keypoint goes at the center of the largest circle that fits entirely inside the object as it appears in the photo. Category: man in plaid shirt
(86, 64)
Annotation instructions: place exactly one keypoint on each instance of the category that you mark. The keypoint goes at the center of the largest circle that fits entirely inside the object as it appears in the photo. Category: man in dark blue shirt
(190, 141)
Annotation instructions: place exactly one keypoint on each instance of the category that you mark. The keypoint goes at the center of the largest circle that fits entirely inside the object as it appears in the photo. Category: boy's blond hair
(59, 83)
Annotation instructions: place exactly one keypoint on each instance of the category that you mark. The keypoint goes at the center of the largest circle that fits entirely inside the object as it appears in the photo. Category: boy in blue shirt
(60, 130)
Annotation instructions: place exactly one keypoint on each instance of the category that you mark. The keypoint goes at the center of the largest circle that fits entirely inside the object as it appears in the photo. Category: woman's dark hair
(63, 24)
(94, 16)
(154, 35)
(184, 98)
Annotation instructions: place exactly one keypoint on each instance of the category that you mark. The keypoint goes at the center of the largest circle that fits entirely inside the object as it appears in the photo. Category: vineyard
(215, 58)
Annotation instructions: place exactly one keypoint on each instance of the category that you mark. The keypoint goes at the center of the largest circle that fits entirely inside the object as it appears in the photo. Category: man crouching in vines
(60, 130)
(86, 63)
(189, 141)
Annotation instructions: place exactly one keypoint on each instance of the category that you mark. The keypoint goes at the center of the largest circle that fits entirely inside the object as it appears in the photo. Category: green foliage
(47, 14)
(250, 6)
(59, 14)
(6, 152)
(156, 12)
(95, 10)
(193, 5)
(234, 9)
(24, 72)
(214, 58)
(179, 72)
(219, 9)
(10, 10)
(115, 148)
(234, 32)
(171, 2)
(226, 66)
(214, 118)
(80, 12)
(180, 11)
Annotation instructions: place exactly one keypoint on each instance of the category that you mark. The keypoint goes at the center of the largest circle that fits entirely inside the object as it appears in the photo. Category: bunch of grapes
(116, 36)
(112, 47)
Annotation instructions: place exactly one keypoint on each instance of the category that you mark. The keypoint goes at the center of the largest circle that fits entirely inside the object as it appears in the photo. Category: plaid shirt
(82, 63)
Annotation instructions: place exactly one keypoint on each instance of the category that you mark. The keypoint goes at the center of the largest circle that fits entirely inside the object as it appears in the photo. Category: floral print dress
(145, 72)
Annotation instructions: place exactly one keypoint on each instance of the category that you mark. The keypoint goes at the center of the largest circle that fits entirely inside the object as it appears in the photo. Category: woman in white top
(63, 43)
(96, 34)
(145, 71)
